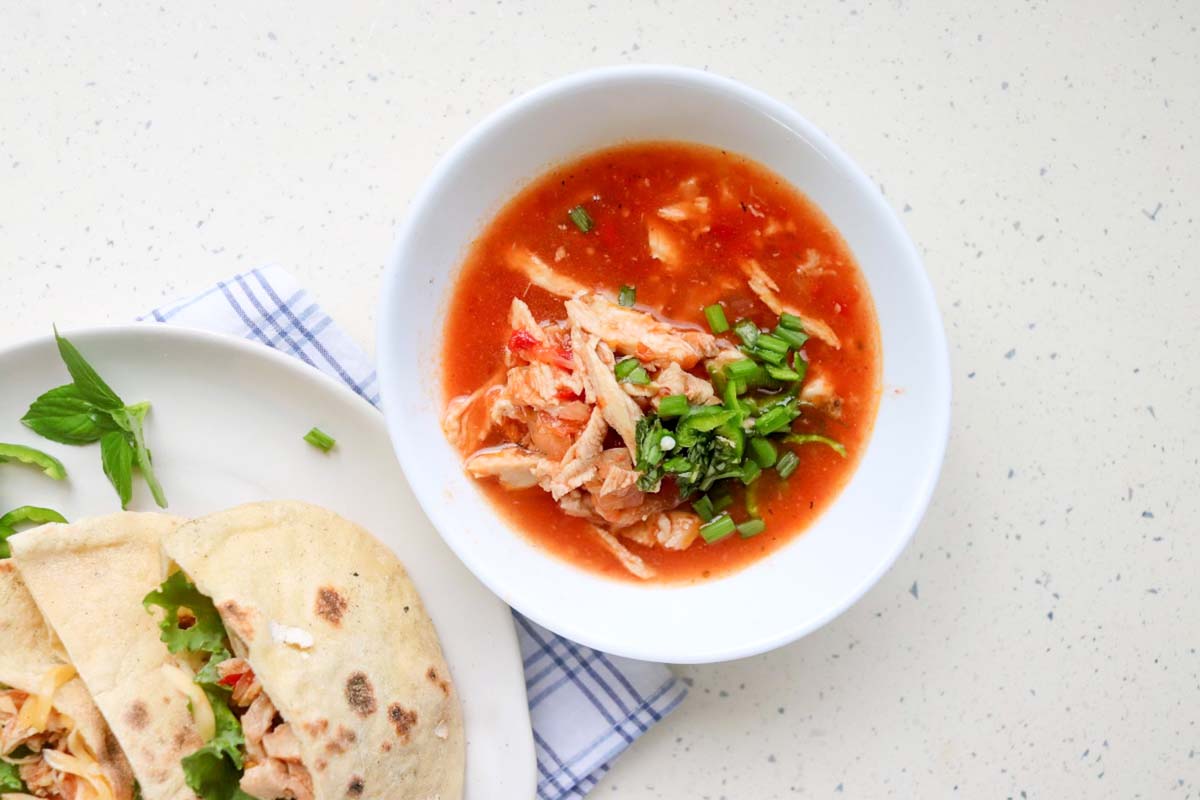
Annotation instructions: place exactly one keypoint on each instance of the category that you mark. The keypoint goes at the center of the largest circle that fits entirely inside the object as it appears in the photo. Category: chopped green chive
(718, 528)
(800, 365)
(763, 452)
(782, 373)
(774, 420)
(791, 321)
(751, 527)
(741, 370)
(677, 465)
(794, 338)
(752, 500)
(750, 472)
(721, 499)
(704, 508)
(626, 367)
(707, 418)
(747, 331)
(770, 356)
(627, 296)
(787, 464)
(715, 315)
(768, 341)
(808, 438)
(675, 405)
(580, 217)
(320, 440)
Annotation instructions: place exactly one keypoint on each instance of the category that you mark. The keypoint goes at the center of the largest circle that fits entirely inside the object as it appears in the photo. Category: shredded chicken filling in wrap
(42, 751)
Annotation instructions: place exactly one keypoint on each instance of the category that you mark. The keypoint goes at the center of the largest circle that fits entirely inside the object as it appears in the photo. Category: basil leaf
(116, 454)
(130, 419)
(64, 415)
(90, 385)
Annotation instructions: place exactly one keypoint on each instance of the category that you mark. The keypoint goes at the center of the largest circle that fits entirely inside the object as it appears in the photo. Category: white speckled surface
(1039, 638)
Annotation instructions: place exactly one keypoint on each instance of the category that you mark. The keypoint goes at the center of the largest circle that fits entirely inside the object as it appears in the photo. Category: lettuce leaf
(213, 771)
(206, 635)
(10, 779)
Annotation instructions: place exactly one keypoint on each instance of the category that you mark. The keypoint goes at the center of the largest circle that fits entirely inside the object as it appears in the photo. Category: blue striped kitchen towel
(586, 706)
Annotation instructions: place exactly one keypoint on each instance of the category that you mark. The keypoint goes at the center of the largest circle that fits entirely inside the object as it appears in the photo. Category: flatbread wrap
(89, 578)
(308, 637)
(53, 741)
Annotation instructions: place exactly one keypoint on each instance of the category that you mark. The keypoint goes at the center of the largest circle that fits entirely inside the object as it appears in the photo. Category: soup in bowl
(662, 366)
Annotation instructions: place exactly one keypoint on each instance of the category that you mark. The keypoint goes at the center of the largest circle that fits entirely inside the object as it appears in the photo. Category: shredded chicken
(674, 380)
(631, 562)
(620, 412)
(513, 465)
(540, 274)
(674, 530)
(819, 391)
(635, 333)
(54, 736)
(273, 766)
(663, 246)
(767, 290)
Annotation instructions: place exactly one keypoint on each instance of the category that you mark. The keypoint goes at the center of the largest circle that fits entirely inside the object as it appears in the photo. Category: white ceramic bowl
(824, 570)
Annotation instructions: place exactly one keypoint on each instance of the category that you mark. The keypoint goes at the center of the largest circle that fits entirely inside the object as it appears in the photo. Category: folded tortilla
(31, 660)
(335, 631)
(89, 578)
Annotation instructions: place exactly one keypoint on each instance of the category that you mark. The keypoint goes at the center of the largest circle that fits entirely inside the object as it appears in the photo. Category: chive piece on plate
(715, 315)
(769, 341)
(581, 218)
(718, 528)
(751, 527)
(675, 405)
(774, 420)
(740, 370)
(782, 373)
(750, 472)
(791, 321)
(787, 464)
(625, 367)
(704, 508)
(320, 440)
(627, 296)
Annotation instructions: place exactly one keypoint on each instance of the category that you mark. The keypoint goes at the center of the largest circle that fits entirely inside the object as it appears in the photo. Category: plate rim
(304, 372)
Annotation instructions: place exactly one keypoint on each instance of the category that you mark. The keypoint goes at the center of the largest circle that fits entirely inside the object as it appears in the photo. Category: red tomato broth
(621, 188)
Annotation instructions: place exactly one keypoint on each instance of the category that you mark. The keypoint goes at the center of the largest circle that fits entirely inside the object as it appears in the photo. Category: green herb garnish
(715, 315)
(581, 218)
(718, 528)
(627, 297)
(10, 779)
(630, 370)
(88, 410)
(206, 634)
(320, 439)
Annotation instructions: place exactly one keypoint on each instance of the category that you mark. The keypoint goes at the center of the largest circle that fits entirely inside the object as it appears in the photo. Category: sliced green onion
(794, 338)
(808, 438)
(717, 322)
(751, 527)
(782, 373)
(580, 217)
(720, 500)
(750, 472)
(675, 405)
(791, 321)
(320, 440)
(770, 356)
(627, 296)
(704, 508)
(763, 452)
(768, 341)
(741, 370)
(787, 464)
(752, 500)
(677, 465)
(800, 365)
(639, 377)
(774, 420)
(718, 528)
(625, 367)
(732, 431)
(708, 418)
(747, 331)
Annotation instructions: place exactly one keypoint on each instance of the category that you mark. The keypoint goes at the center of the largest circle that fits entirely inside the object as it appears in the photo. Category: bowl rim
(861, 185)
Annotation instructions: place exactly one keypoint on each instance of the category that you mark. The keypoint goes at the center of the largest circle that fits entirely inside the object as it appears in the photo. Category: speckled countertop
(1040, 636)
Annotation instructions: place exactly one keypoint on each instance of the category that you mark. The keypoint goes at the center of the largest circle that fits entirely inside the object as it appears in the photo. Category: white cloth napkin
(586, 706)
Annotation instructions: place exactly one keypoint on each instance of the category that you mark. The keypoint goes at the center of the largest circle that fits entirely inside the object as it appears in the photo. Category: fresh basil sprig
(88, 410)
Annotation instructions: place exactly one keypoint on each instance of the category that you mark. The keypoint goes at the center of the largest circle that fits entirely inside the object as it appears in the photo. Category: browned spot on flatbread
(436, 679)
(341, 741)
(331, 606)
(321, 764)
(355, 789)
(238, 618)
(6, 566)
(138, 716)
(183, 740)
(317, 727)
(386, 746)
(402, 719)
(360, 694)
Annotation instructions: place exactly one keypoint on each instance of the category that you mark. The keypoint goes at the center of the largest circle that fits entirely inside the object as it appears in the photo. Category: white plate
(226, 428)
